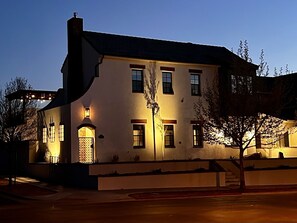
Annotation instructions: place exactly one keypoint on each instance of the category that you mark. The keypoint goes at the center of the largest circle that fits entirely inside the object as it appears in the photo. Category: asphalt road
(280, 208)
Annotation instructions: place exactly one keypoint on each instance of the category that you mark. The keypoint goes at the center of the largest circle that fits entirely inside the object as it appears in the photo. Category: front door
(86, 141)
(86, 149)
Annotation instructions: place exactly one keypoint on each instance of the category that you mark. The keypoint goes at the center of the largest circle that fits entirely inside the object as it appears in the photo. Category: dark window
(258, 141)
(167, 82)
(197, 136)
(138, 136)
(137, 81)
(169, 136)
(286, 139)
(241, 84)
(195, 84)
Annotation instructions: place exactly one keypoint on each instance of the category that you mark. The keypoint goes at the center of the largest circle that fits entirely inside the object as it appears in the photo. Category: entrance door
(86, 149)
(86, 140)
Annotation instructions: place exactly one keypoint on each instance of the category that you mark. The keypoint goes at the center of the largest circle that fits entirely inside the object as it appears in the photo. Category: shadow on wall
(42, 154)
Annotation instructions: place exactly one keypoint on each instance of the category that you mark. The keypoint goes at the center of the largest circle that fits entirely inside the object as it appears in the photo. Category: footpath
(27, 188)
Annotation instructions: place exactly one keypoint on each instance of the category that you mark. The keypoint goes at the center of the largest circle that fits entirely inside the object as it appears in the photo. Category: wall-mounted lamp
(87, 112)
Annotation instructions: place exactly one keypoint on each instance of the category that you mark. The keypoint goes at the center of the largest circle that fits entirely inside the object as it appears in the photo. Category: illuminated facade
(101, 114)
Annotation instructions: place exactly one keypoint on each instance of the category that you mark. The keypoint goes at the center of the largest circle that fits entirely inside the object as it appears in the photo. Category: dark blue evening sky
(33, 32)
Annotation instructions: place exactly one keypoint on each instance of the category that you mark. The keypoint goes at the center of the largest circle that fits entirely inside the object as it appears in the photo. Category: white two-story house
(101, 114)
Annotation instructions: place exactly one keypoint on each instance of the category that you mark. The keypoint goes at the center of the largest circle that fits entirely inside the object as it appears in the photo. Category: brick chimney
(75, 68)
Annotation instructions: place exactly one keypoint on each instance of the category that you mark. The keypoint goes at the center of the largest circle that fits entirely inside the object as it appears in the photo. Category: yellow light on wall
(87, 112)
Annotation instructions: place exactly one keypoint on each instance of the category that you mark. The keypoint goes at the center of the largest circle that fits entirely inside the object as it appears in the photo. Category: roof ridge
(156, 49)
(154, 39)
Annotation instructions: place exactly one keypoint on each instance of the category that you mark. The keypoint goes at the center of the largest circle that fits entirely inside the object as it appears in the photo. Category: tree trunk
(10, 154)
(241, 170)
(154, 134)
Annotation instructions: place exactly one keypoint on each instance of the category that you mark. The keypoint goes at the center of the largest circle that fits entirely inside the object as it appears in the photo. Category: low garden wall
(169, 180)
(146, 167)
(75, 174)
(271, 177)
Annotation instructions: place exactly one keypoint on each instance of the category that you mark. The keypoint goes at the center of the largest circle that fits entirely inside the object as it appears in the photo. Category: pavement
(28, 188)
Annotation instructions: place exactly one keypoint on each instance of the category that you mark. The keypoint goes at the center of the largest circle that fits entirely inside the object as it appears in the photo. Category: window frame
(52, 132)
(169, 137)
(197, 133)
(61, 132)
(167, 86)
(44, 135)
(139, 138)
(198, 85)
(286, 139)
(137, 84)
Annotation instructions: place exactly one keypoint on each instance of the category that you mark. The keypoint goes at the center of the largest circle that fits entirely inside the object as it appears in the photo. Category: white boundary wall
(182, 180)
(271, 177)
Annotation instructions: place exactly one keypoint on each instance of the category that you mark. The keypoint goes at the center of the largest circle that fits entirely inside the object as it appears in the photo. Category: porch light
(87, 112)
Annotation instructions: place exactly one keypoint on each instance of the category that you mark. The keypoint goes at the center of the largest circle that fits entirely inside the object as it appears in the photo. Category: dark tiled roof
(152, 49)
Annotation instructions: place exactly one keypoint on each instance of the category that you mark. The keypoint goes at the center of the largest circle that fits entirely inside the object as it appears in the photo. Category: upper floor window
(197, 136)
(169, 136)
(167, 82)
(137, 80)
(138, 136)
(195, 84)
(241, 84)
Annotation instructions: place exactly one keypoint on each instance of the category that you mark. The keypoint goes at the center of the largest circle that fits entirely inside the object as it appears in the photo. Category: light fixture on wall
(87, 112)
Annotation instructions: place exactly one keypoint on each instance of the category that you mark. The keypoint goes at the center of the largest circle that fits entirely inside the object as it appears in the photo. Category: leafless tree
(18, 116)
(237, 131)
(150, 94)
(239, 125)
(263, 70)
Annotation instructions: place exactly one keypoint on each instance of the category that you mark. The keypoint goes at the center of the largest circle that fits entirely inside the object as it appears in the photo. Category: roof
(153, 49)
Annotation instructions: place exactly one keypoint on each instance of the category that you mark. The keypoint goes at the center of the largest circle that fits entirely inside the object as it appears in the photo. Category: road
(268, 208)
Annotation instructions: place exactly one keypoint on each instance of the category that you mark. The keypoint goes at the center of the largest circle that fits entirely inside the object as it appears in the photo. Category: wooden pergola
(31, 95)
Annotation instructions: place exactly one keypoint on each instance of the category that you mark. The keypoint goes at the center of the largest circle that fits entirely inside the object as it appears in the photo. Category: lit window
(169, 136)
(52, 132)
(197, 136)
(167, 82)
(138, 136)
(61, 132)
(195, 84)
(44, 135)
(137, 81)
(241, 84)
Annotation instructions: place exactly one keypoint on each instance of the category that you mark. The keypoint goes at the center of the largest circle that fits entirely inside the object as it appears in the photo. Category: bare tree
(263, 70)
(238, 124)
(18, 119)
(243, 51)
(18, 116)
(150, 94)
(235, 130)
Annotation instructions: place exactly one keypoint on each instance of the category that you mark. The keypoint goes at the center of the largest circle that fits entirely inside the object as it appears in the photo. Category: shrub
(115, 158)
